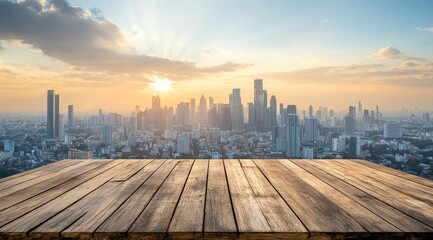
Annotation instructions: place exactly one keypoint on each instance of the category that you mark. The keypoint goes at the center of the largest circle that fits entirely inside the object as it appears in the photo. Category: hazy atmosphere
(116, 54)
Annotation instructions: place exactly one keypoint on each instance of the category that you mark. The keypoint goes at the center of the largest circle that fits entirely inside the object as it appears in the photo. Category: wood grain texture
(395, 172)
(315, 210)
(278, 214)
(367, 219)
(83, 217)
(188, 217)
(219, 219)
(215, 199)
(121, 220)
(402, 221)
(413, 189)
(39, 200)
(413, 207)
(157, 215)
(249, 215)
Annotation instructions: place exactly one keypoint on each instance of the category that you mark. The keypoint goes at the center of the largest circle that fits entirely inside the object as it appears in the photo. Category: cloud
(388, 53)
(425, 29)
(414, 73)
(86, 40)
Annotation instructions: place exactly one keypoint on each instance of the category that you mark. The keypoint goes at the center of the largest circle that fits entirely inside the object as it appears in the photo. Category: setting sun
(161, 84)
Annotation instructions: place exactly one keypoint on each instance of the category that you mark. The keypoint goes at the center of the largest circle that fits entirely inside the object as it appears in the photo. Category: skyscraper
(291, 109)
(225, 122)
(293, 137)
(311, 129)
(192, 114)
(57, 116)
(70, 116)
(359, 109)
(310, 111)
(352, 112)
(349, 123)
(53, 115)
(107, 137)
(202, 111)
(273, 112)
(50, 114)
(260, 104)
(236, 110)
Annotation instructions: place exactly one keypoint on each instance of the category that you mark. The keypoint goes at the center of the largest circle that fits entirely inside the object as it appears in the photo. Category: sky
(117, 54)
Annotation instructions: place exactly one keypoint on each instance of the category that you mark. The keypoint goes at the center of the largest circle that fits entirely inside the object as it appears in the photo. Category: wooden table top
(166, 199)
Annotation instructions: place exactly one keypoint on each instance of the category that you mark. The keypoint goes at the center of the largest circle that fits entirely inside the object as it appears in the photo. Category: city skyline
(316, 54)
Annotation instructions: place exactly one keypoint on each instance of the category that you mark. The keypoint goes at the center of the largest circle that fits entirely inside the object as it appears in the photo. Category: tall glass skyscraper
(53, 115)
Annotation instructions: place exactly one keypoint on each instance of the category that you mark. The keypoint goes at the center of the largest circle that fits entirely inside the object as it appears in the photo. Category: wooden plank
(280, 217)
(49, 167)
(407, 204)
(411, 177)
(367, 219)
(187, 221)
(411, 188)
(83, 217)
(387, 212)
(42, 178)
(29, 178)
(249, 216)
(129, 170)
(24, 207)
(156, 217)
(319, 214)
(219, 219)
(26, 193)
(117, 225)
(21, 226)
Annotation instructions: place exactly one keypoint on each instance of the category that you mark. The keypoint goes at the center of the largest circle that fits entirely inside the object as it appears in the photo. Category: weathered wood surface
(213, 199)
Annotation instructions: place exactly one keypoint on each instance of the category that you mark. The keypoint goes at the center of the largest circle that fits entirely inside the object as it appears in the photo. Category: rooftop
(215, 198)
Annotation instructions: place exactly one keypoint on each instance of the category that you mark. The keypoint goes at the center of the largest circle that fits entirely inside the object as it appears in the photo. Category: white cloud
(388, 53)
(425, 29)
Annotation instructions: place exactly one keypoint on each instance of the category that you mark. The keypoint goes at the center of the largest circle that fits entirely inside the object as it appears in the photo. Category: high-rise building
(202, 111)
(273, 111)
(392, 130)
(283, 114)
(293, 137)
(352, 149)
(359, 109)
(352, 112)
(192, 110)
(70, 117)
(291, 109)
(107, 135)
(182, 114)
(50, 114)
(225, 121)
(211, 103)
(349, 123)
(310, 111)
(57, 116)
(366, 117)
(311, 129)
(251, 115)
(260, 104)
(236, 110)
(53, 115)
